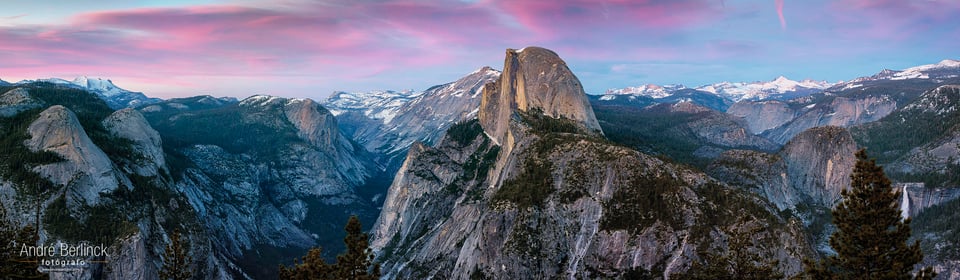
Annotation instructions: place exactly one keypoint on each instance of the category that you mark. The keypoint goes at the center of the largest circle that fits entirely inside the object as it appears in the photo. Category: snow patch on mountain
(99, 85)
(115, 96)
(651, 90)
(379, 105)
(781, 86)
(389, 122)
(921, 72)
(945, 69)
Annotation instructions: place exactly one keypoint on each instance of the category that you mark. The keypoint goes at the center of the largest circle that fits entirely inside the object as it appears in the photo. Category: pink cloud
(553, 19)
(341, 40)
(896, 20)
(213, 40)
(783, 21)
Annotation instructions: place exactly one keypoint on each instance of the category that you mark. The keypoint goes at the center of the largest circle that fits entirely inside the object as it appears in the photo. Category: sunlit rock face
(534, 78)
(86, 171)
(508, 196)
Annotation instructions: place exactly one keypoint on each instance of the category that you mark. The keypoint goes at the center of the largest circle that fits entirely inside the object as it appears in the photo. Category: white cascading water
(905, 204)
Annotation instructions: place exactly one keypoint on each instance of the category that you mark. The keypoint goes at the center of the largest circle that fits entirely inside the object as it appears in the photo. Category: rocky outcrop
(716, 128)
(919, 197)
(933, 122)
(819, 162)
(15, 101)
(131, 125)
(810, 170)
(841, 111)
(763, 115)
(534, 78)
(314, 123)
(388, 123)
(268, 174)
(131, 260)
(86, 171)
(805, 177)
(935, 156)
(433, 225)
(762, 173)
(548, 201)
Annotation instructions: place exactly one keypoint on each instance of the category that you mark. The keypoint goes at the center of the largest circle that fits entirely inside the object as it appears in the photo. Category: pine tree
(871, 236)
(176, 261)
(355, 263)
(12, 264)
(312, 267)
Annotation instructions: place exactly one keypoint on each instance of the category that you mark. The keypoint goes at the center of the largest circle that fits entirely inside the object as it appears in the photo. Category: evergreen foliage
(463, 132)
(655, 133)
(535, 182)
(871, 237)
(738, 262)
(529, 188)
(176, 260)
(312, 267)
(948, 177)
(17, 161)
(356, 263)
(941, 238)
(255, 131)
(898, 133)
(12, 264)
(541, 123)
(642, 202)
(102, 224)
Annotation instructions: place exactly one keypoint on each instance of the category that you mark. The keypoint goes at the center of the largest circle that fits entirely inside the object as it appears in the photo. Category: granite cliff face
(841, 111)
(804, 178)
(918, 197)
(281, 165)
(809, 171)
(104, 185)
(241, 180)
(86, 171)
(534, 79)
(15, 101)
(388, 123)
(819, 162)
(764, 115)
(551, 199)
(130, 124)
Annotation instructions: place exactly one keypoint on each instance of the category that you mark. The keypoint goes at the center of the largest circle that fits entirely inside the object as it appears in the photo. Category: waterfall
(905, 204)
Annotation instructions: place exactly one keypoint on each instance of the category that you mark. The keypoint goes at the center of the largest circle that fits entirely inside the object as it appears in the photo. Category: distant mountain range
(783, 88)
(115, 96)
(389, 122)
(779, 88)
(514, 173)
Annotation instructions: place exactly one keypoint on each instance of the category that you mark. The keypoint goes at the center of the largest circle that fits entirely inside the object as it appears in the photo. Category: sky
(311, 48)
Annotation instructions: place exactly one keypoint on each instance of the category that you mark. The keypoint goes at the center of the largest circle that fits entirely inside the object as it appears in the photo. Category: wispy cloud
(783, 21)
(359, 45)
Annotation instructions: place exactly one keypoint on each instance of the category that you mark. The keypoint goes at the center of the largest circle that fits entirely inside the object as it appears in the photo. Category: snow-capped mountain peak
(486, 71)
(946, 68)
(103, 86)
(776, 88)
(923, 71)
(651, 90)
(115, 96)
